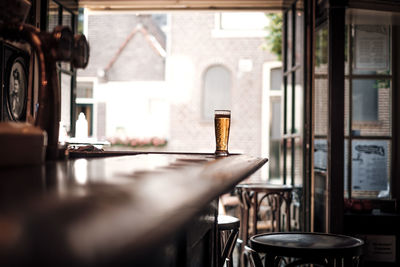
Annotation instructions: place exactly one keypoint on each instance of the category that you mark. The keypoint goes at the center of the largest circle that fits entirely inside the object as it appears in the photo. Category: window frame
(351, 135)
(71, 71)
(220, 32)
(290, 136)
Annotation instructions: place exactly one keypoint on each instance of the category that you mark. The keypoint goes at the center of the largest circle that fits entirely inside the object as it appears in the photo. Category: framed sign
(370, 165)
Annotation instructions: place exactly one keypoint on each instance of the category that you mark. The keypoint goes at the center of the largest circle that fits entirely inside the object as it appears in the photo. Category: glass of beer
(222, 123)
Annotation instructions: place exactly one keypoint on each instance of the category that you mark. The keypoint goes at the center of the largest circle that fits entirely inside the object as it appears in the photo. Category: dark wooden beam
(336, 22)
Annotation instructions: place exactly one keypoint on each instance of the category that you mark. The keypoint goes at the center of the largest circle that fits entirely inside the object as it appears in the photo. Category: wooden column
(336, 22)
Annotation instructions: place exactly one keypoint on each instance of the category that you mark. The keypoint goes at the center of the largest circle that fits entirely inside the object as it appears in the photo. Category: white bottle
(81, 126)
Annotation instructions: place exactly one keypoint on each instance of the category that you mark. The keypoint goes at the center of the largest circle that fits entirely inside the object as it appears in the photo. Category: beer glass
(222, 123)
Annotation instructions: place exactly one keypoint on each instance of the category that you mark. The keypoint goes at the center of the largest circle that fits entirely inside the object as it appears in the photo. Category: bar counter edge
(146, 209)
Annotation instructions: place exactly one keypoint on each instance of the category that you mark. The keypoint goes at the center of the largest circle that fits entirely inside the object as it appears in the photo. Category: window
(217, 90)
(243, 21)
(84, 90)
(368, 110)
(365, 100)
(291, 142)
(275, 152)
(276, 79)
(240, 24)
(272, 119)
(293, 91)
(60, 15)
(320, 129)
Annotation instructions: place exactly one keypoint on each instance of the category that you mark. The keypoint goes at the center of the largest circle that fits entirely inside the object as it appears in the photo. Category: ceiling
(185, 4)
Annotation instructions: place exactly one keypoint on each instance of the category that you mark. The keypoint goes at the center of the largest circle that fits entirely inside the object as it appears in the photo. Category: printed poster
(370, 165)
(320, 154)
(371, 47)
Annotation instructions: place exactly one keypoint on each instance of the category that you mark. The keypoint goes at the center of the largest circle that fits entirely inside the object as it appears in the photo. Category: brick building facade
(194, 42)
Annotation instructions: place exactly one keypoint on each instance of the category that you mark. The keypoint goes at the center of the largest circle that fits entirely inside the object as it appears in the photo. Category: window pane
(81, 18)
(298, 162)
(370, 168)
(298, 102)
(84, 90)
(66, 101)
(66, 18)
(321, 50)
(289, 39)
(346, 106)
(217, 90)
(365, 100)
(320, 115)
(320, 155)
(275, 123)
(289, 148)
(274, 159)
(275, 139)
(346, 168)
(371, 49)
(289, 104)
(243, 21)
(371, 107)
(65, 65)
(53, 15)
(282, 160)
(299, 37)
(66, 21)
(321, 107)
(320, 202)
(346, 49)
(276, 79)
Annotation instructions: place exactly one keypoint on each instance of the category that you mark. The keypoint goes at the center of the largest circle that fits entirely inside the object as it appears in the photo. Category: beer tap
(59, 45)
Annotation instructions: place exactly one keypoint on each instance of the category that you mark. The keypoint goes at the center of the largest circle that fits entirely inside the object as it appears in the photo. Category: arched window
(217, 83)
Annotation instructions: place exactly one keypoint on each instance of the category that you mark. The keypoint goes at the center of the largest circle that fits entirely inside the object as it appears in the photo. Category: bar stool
(296, 249)
(228, 231)
(252, 194)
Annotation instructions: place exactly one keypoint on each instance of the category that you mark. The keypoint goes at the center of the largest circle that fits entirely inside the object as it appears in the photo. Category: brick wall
(191, 38)
(138, 61)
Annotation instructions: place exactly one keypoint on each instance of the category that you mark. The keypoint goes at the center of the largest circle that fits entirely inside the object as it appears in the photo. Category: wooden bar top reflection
(98, 211)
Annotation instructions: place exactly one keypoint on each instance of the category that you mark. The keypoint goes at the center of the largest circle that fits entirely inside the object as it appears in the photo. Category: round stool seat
(307, 244)
(226, 222)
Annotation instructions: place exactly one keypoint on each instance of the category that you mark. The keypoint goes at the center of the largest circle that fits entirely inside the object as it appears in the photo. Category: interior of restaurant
(316, 117)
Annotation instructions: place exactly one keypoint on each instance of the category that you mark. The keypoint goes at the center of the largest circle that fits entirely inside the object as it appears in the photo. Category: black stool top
(226, 222)
(307, 244)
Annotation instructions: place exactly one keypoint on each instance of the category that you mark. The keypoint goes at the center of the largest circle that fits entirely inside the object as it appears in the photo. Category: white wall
(135, 109)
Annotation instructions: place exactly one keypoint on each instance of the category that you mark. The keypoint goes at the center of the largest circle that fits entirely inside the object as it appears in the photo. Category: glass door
(292, 145)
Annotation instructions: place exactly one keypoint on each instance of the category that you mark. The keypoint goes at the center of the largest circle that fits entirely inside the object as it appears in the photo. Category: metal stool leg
(228, 228)
(251, 258)
(228, 248)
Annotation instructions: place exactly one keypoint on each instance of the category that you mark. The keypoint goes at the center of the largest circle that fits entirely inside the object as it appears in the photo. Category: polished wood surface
(96, 210)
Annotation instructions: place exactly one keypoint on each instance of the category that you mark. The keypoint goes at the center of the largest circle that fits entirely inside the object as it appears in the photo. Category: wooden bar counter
(137, 210)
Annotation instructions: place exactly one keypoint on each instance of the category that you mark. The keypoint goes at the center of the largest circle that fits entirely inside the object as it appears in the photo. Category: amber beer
(222, 123)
